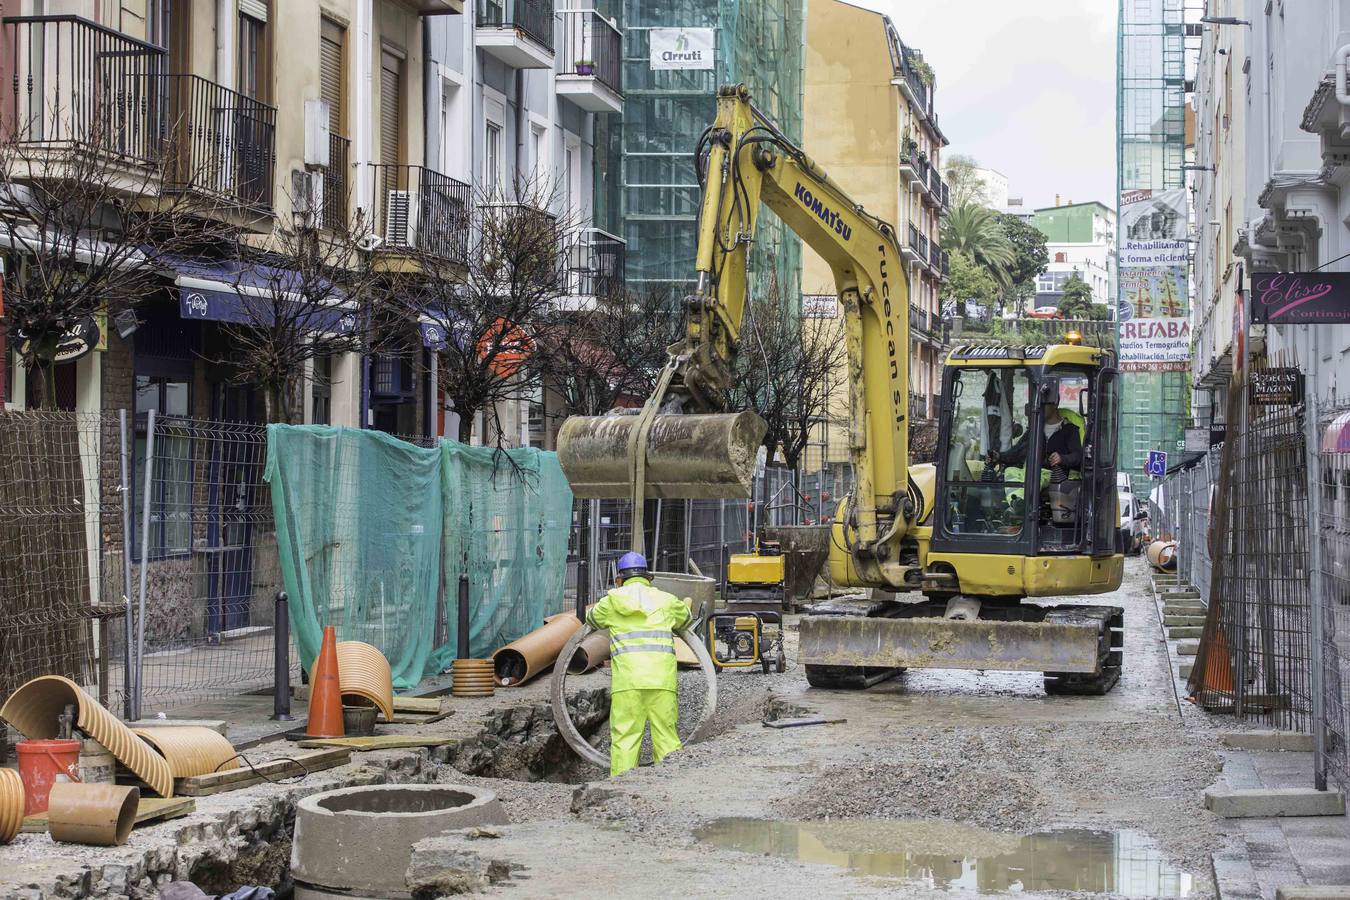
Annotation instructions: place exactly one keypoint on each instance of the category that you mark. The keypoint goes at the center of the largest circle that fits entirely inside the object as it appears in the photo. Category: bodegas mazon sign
(1300, 298)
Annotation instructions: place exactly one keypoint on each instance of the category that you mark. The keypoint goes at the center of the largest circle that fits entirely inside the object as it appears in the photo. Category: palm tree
(975, 231)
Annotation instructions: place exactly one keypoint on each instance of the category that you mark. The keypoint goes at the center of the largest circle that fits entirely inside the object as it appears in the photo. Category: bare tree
(304, 295)
(491, 306)
(608, 356)
(85, 227)
(785, 370)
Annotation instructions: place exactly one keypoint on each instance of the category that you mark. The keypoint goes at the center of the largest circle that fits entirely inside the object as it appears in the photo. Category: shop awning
(1336, 439)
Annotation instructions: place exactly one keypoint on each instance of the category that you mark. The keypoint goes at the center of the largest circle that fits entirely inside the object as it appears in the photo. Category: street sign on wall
(1301, 298)
(1276, 387)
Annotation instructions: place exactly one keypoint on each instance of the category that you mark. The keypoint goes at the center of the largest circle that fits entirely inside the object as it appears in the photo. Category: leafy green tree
(1077, 300)
(1030, 257)
(964, 181)
(977, 232)
(968, 281)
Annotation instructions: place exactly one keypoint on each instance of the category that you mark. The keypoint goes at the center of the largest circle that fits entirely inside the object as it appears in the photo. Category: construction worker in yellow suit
(642, 621)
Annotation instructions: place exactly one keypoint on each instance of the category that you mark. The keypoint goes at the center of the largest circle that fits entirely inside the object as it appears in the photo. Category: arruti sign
(1301, 298)
(681, 48)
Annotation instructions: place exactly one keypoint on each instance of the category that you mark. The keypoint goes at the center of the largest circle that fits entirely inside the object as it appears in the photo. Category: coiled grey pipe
(568, 729)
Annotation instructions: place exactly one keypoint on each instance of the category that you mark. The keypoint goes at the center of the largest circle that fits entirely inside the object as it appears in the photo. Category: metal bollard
(462, 630)
(583, 588)
(281, 660)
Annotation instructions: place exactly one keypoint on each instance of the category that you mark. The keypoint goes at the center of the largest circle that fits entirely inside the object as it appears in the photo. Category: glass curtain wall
(664, 113)
(1151, 138)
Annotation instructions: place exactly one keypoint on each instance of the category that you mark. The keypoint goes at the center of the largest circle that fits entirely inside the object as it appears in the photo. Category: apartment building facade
(1080, 239)
(883, 146)
(394, 116)
(1270, 185)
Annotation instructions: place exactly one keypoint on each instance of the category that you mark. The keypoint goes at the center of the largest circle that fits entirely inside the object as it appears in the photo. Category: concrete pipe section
(688, 456)
(357, 842)
(698, 589)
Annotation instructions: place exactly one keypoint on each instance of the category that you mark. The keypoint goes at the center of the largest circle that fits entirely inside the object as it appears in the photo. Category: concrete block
(1184, 631)
(1295, 741)
(1186, 671)
(215, 725)
(1314, 892)
(1263, 802)
(1171, 621)
(1187, 648)
(1188, 594)
(1174, 609)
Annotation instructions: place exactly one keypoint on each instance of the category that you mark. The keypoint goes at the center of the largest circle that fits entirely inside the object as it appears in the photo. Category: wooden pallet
(286, 767)
(150, 809)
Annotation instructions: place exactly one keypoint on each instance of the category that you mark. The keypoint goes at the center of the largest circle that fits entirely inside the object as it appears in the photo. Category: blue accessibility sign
(1157, 463)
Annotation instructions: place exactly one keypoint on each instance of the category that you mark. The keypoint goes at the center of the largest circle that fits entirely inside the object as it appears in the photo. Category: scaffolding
(1151, 138)
(664, 112)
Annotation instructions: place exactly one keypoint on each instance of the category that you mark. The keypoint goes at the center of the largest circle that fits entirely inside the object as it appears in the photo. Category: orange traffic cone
(325, 693)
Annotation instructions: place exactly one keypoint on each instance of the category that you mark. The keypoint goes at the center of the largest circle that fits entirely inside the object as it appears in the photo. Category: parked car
(1133, 521)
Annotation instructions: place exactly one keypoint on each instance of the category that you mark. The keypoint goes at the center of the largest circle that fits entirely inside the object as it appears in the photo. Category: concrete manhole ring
(563, 717)
(358, 841)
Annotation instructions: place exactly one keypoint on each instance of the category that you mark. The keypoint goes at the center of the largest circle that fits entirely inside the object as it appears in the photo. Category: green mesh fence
(373, 534)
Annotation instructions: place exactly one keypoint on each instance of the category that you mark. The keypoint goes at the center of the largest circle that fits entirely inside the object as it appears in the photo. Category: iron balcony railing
(78, 84)
(416, 209)
(591, 46)
(336, 184)
(221, 142)
(597, 261)
(946, 195)
(513, 224)
(533, 18)
(946, 263)
(923, 247)
(923, 170)
(935, 256)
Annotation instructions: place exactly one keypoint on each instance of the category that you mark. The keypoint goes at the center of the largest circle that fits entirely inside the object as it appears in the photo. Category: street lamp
(1224, 20)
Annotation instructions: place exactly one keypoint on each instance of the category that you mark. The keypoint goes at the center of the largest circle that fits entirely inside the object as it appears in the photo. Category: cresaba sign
(1300, 298)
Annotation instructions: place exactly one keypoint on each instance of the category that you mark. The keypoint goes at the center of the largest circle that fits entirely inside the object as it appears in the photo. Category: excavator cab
(1026, 458)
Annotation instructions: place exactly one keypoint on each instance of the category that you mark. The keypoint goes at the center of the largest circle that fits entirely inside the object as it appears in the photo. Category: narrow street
(939, 782)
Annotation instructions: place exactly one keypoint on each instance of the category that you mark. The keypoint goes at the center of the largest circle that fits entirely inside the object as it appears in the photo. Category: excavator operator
(1063, 442)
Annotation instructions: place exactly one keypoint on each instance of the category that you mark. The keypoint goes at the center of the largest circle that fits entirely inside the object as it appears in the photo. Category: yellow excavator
(1021, 502)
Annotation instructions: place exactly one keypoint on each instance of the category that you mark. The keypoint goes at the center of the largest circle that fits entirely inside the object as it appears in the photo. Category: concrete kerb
(1314, 892)
(1253, 803)
(1294, 741)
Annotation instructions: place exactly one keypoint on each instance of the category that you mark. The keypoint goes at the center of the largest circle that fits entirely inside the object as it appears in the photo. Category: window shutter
(330, 72)
(254, 9)
(391, 112)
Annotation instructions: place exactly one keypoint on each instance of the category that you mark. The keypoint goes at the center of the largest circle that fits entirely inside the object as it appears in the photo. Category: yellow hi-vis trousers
(629, 713)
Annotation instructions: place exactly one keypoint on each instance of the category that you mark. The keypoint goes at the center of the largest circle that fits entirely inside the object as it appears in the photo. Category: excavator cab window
(982, 494)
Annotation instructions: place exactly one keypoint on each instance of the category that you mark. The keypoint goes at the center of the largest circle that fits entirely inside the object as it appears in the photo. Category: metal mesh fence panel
(206, 535)
(62, 610)
(1255, 652)
(1331, 473)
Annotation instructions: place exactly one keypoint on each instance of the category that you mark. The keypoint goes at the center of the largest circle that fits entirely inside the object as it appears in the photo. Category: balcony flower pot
(585, 67)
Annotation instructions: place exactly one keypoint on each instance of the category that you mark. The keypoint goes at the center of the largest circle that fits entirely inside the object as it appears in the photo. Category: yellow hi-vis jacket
(641, 621)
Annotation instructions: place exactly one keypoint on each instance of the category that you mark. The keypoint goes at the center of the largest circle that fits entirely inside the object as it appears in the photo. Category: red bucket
(40, 762)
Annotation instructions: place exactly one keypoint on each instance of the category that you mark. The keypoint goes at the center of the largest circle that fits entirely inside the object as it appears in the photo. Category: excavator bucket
(692, 456)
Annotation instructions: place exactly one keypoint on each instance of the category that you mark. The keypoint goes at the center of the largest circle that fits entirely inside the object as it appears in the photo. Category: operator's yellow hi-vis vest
(641, 621)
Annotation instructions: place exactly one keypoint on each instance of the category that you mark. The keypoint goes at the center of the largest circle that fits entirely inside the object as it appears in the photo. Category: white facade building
(1080, 238)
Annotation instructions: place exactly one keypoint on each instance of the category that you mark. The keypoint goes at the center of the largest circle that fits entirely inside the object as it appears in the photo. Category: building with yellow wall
(870, 121)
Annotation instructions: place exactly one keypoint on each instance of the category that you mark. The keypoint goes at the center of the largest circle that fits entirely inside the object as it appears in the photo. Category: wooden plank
(424, 705)
(150, 809)
(379, 742)
(419, 718)
(285, 767)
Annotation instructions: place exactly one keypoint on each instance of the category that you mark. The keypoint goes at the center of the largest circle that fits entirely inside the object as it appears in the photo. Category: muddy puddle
(948, 856)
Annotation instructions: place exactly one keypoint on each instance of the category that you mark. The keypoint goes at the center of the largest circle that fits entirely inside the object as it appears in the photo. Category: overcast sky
(1026, 87)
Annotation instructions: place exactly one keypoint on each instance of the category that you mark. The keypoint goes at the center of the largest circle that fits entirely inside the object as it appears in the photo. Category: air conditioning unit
(400, 229)
(307, 197)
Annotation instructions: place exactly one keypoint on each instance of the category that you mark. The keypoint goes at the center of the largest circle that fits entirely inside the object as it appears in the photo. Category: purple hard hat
(632, 564)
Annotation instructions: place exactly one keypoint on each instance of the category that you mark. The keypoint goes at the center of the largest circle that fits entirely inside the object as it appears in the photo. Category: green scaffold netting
(374, 533)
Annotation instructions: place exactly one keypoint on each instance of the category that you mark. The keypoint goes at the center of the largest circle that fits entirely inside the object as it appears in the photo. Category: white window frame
(494, 113)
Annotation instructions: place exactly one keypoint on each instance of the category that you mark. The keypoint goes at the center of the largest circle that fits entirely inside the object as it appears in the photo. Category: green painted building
(1071, 224)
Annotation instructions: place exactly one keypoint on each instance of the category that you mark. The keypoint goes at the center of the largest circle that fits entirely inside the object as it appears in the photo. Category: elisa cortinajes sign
(1301, 298)
(681, 48)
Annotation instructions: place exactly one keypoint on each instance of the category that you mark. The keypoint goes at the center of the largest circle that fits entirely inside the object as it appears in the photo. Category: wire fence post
(138, 693)
(688, 535)
(462, 617)
(128, 623)
(1316, 589)
(281, 659)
